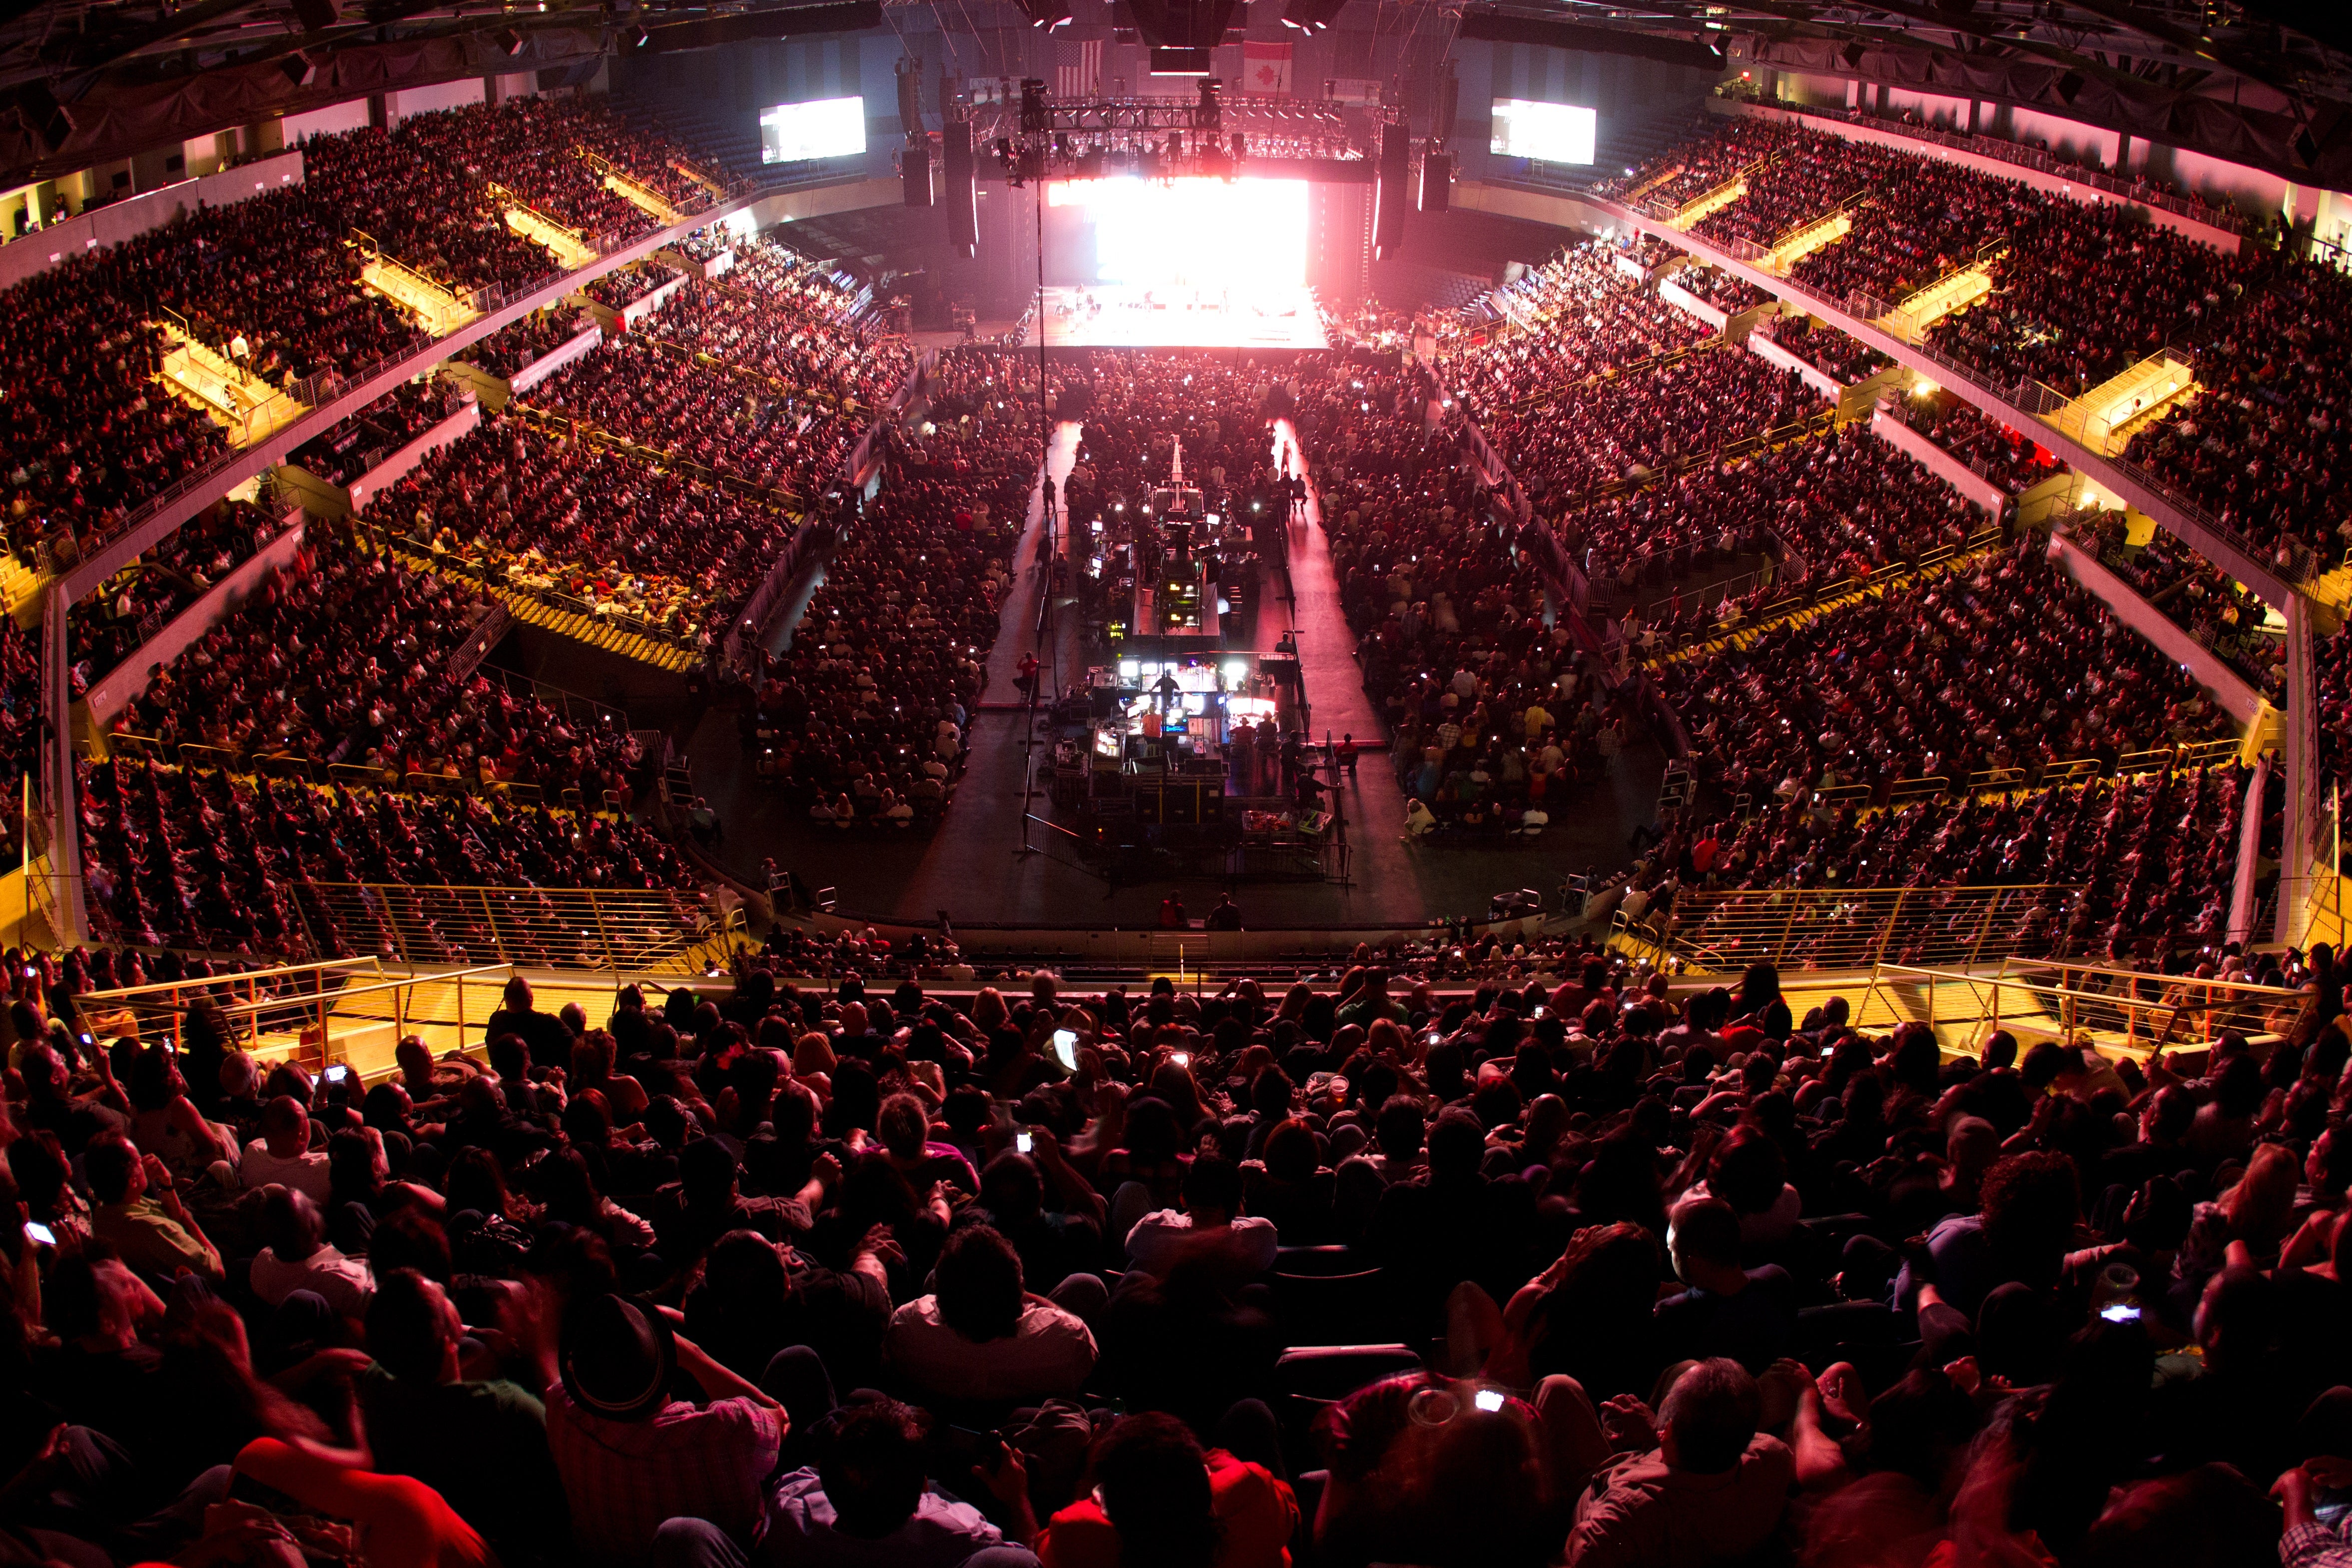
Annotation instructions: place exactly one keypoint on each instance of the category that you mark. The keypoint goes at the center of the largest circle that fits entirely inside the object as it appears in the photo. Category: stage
(1121, 316)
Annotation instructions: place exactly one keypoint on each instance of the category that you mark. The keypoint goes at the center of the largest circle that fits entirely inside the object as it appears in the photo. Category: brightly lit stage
(1168, 314)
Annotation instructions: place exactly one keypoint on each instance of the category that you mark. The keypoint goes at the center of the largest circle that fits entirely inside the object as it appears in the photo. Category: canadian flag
(1266, 67)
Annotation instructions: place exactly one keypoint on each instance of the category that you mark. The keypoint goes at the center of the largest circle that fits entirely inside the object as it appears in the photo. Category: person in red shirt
(1159, 1502)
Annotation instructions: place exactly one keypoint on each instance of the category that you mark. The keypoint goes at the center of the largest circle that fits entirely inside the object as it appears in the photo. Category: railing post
(604, 937)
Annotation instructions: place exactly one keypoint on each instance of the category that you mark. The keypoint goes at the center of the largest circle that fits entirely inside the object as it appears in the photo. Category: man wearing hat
(631, 1456)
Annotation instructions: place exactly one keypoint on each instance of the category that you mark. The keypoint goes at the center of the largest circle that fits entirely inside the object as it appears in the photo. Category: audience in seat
(1602, 433)
(786, 443)
(1587, 318)
(2003, 662)
(200, 859)
(513, 348)
(2262, 445)
(576, 522)
(289, 674)
(124, 612)
(2221, 613)
(1842, 358)
(347, 452)
(1716, 1270)
(2011, 459)
(1846, 502)
(2149, 860)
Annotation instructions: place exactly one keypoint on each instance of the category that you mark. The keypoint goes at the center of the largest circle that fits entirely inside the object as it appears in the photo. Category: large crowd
(348, 657)
(202, 859)
(1844, 503)
(132, 606)
(1661, 1274)
(2001, 661)
(2082, 291)
(775, 312)
(2262, 445)
(1584, 317)
(737, 426)
(2122, 870)
(272, 284)
(556, 515)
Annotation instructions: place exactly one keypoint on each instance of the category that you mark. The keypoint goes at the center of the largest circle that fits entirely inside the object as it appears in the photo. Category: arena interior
(1175, 784)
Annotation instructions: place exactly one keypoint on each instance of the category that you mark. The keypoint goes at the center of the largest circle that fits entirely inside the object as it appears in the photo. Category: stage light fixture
(1034, 115)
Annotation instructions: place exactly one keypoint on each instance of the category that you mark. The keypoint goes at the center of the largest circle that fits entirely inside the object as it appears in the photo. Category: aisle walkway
(1326, 647)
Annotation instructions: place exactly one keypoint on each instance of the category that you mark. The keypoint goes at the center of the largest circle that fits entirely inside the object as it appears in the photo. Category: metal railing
(652, 930)
(1843, 928)
(2119, 1012)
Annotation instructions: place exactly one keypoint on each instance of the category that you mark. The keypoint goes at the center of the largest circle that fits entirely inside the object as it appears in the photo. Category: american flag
(1083, 76)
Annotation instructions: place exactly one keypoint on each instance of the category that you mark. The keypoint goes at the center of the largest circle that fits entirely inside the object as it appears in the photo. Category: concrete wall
(554, 360)
(109, 695)
(1771, 353)
(416, 100)
(133, 216)
(390, 470)
(2229, 688)
(1940, 463)
(349, 115)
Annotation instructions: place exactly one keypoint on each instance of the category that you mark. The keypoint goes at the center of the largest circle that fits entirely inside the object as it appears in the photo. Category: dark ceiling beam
(1960, 26)
(177, 26)
(2133, 19)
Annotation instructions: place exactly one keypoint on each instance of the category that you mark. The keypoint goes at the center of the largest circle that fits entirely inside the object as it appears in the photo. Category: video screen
(821, 127)
(1245, 235)
(1547, 132)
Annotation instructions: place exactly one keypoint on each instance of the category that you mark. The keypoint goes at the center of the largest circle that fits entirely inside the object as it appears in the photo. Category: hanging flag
(1083, 77)
(1266, 67)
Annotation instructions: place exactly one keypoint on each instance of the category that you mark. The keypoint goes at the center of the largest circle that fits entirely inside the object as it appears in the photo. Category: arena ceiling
(2262, 81)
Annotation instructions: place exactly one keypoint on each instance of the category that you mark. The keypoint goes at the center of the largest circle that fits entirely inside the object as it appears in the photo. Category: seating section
(1681, 412)
(626, 286)
(1726, 291)
(272, 284)
(1823, 347)
(107, 625)
(572, 520)
(1489, 714)
(2011, 459)
(2262, 445)
(515, 347)
(2219, 612)
(1844, 503)
(736, 427)
(359, 442)
(2005, 663)
(1590, 318)
(2152, 854)
(860, 723)
(344, 660)
(777, 314)
(1701, 163)
(199, 858)
(2081, 291)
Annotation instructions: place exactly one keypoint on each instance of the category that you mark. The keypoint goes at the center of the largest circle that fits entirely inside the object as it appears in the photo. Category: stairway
(21, 589)
(436, 309)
